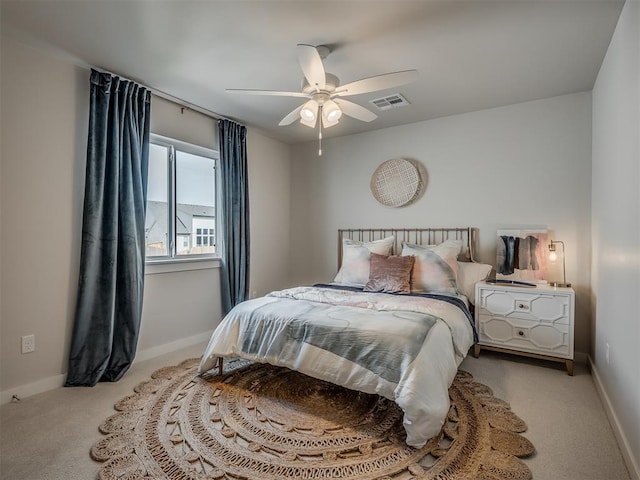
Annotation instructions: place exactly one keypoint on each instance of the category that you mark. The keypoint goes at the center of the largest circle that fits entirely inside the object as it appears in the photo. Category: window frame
(173, 145)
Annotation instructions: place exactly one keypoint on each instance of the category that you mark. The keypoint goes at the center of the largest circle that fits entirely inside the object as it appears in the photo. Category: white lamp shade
(326, 123)
(331, 112)
(309, 111)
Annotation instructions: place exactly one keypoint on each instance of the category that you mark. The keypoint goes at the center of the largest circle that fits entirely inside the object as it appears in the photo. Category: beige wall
(616, 233)
(44, 130)
(269, 195)
(174, 121)
(521, 165)
(180, 305)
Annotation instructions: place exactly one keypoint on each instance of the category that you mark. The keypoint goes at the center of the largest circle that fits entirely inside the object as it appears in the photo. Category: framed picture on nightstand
(522, 255)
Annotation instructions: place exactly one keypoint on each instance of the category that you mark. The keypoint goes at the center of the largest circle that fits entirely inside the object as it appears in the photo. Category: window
(204, 229)
(181, 206)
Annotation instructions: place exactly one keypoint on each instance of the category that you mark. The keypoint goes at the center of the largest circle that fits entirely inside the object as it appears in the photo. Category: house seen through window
(181, 207)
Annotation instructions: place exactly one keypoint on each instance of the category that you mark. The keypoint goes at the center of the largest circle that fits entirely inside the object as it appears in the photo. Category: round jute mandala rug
(263, 422)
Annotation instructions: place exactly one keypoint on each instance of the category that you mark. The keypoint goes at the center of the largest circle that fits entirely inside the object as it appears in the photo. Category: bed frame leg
(220, 366)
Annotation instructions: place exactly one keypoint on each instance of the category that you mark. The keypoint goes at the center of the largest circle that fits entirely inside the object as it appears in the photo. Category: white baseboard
(629, 457)
(32, 388)
(56, 381)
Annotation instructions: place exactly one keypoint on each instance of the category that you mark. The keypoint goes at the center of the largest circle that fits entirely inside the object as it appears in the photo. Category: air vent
(390, 101)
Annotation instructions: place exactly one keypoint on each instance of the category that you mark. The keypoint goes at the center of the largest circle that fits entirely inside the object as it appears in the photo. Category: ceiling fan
(324, 92)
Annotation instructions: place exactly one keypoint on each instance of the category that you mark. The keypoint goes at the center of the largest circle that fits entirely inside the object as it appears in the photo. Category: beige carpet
(266, 423)
(47, 436)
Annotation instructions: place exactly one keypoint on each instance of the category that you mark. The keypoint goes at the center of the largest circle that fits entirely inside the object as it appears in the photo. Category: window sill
(155, 267)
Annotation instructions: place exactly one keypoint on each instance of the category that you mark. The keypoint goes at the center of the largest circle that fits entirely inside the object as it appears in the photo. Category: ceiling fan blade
(356, 111)
(379, 82)
(291, 117)
(312, 67)
(267, 92)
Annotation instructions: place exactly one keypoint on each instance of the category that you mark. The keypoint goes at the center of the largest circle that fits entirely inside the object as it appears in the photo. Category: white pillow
(436, 268)
(355, 259)
(468, 275)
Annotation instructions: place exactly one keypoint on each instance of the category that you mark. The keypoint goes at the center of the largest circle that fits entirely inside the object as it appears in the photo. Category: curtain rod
(166, 96)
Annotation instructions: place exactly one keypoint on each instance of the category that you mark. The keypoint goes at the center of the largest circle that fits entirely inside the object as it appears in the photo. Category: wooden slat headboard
(420, 236)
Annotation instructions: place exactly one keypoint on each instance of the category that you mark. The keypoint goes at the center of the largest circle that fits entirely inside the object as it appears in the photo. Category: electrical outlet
(606, 352)
(28, 343)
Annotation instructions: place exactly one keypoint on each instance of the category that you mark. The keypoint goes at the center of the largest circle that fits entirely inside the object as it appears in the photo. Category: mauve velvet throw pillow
(389, 274)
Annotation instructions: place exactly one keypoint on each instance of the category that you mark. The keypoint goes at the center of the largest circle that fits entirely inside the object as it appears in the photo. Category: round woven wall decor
(396, 182)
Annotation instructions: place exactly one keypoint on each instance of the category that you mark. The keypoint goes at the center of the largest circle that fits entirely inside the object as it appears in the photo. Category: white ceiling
(470, 55)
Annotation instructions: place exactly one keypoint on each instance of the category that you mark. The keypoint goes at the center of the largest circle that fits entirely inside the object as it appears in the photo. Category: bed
(394, 322)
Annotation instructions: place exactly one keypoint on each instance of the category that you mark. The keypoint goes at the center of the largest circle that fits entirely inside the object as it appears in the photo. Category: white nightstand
(535, 322)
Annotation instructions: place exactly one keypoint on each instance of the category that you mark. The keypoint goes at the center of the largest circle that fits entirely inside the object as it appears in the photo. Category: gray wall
(44, 130)
(521, 165)
(616, 232)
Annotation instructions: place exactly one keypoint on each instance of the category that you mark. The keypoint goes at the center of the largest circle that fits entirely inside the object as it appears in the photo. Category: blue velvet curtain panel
(109, 305)
(234, 213)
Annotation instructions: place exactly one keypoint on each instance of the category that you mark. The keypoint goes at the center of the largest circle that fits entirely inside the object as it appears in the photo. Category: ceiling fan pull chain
(320, 134)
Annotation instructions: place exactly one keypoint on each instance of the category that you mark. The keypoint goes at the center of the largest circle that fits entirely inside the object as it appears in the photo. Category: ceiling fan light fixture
(331, 111)
(307, 123)
(327, 123)
(334, 115)
(308, 112)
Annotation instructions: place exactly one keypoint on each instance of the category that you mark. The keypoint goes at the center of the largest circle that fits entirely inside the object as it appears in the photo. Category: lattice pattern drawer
(526, 335)
(542, 307)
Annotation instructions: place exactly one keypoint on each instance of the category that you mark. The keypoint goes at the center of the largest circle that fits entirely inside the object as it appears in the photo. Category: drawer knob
(521, 333)
(522, 306)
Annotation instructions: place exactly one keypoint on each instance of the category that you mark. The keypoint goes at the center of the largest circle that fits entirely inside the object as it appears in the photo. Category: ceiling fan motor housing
(331, 83)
